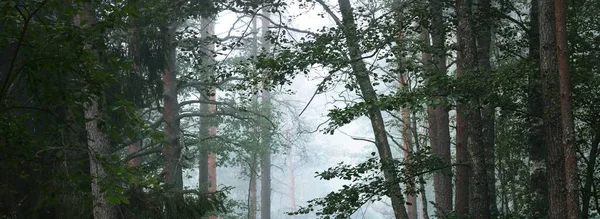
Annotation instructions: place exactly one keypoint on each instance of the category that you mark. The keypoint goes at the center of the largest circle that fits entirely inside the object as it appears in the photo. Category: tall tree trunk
(568, 127)
(172, 171)
(252, 205)
(265, 161)
(462, 156)
(442, 180)
(589, 176)
(205, 95)
(291, 177)
(212, 132)
(361, 73)
(422, 190)
(484, 38)
(555, 159)
(480, 207)
(98, 142)
(535, 135)
(407, 146)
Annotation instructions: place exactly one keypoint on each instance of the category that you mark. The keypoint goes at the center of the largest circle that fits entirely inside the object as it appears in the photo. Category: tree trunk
(407, 145)
(423, 192)
(568, 127)
(252, 205)
(555, 159)
(484, 38)
(442, 180)
(537, 153)
(480, 207)
(292, 186)
(265, 161)
(374, 113)
(98, 142)
(589, 176)
(462, 156)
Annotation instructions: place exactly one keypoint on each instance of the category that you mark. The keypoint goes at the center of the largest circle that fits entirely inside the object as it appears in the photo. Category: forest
(273, 109)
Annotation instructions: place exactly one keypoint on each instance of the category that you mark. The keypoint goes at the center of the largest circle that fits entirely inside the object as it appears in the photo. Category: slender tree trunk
(292, 184)
(442, 180)
(484, 38)
(422, 189)
(463, 170)
(206, 92)
(480, 207)
(374, 113)
(568, 128)
(265, 162)
(98, 141)
(589, 176)
(407, 145)
(537, 153)
(555, 159)
(252, 200)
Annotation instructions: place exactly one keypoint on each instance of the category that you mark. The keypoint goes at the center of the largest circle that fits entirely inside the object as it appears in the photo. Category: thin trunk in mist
(205, 92)
(484, 39)
(535, 135)
(442, 180)
(480, 207)
(407, 146)
(361, 74)
(589, 176)
(98, 142)
(566, 111)
(422, 190)
(252, 201)
(553, 136)
(212, 109)
(407, 134)
(292, 181)
(265, 161)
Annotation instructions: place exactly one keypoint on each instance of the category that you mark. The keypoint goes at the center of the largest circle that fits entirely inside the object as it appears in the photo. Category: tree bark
(484, 39)
(568, 127)
(461, 193)
(292, 186)
(535, 135)
(252, 200)
(374, 112)
(442, 180)
(407, 145)
(589, 176)
(480, 207)
(98, 141)
(265, 161)
(422, 190)
(553, 136)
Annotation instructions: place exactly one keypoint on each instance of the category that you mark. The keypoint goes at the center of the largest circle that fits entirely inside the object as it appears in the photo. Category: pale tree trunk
(422, 190)
(252, 205)
(480, 207)
(407, 135)
(484, 38)
(212, 109)
(292, 180)
(98, 142)
(205, 92)
(535, 135)
(361, 73)
(442, 180)
(265, 161)
(555, 159)
(568, 128)
(407, 146)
